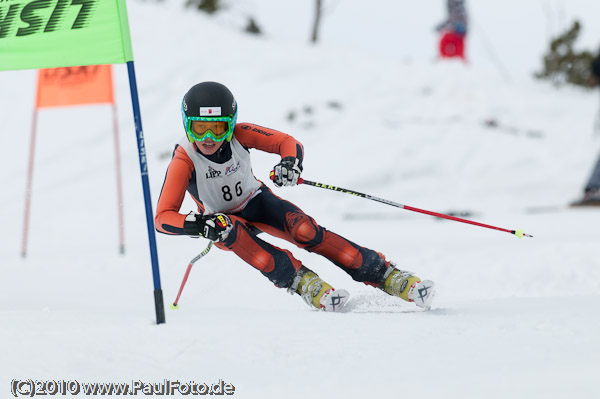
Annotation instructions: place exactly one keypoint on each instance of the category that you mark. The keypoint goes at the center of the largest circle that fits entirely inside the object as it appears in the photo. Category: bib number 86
(227, 194)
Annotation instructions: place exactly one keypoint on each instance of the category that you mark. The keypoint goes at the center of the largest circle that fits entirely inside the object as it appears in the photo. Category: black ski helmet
(209, 101)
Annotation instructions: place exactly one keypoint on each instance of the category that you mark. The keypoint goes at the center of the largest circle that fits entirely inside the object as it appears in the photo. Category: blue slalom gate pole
(158, 295)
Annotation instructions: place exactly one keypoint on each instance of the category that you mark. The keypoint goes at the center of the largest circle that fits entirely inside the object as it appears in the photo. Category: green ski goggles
(215, 134)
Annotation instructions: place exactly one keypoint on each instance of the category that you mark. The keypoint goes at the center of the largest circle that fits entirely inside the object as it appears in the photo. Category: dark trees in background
(562, 64)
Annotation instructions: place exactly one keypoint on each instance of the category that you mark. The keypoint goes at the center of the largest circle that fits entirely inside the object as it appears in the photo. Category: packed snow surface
(377, 113)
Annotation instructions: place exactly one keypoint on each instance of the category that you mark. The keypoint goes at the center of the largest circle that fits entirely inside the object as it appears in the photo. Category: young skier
(213, 165)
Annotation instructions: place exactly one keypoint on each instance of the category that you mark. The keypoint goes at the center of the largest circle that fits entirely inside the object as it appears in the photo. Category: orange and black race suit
(263, 211)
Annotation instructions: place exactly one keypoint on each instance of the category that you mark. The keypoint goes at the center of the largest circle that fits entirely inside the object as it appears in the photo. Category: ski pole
(518, 233)
(175, 305)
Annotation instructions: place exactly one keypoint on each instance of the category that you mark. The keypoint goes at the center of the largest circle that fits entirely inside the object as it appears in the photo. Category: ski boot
(409, 287)
(317, 293)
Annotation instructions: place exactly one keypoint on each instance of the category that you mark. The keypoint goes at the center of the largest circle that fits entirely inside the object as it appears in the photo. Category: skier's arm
(286, 172)
(268, 140)
(168, 220)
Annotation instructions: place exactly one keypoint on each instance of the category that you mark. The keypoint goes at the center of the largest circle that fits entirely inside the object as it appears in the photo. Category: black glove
(214, 227)
(287, 172)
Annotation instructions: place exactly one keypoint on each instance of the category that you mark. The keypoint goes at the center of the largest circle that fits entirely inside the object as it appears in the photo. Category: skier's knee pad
(274, 263)
(277, 264)
(304, 230)
(263, 261)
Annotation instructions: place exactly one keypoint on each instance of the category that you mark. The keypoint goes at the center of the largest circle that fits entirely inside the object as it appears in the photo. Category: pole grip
(272, 177)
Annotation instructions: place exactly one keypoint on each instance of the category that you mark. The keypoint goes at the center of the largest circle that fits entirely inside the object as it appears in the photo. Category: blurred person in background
(453, 31)
(591, 193)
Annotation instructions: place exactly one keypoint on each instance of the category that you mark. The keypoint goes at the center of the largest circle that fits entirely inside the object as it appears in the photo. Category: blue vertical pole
(158, 296)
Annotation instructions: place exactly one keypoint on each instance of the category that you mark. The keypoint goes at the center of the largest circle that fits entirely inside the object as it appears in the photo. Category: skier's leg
(280, 267)
(591, 193)
(285, 220)
(594, 180)
(277, 264)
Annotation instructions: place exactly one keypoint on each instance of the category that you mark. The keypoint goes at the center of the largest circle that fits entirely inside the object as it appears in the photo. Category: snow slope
(376, 113)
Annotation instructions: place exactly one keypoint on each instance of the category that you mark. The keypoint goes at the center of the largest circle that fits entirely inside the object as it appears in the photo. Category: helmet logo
(185, 107)
(210, 111)
(233, 104)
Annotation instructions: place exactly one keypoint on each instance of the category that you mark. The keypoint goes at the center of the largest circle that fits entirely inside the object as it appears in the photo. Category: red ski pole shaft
(518, 233)
(185, 277)
(175, 305)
